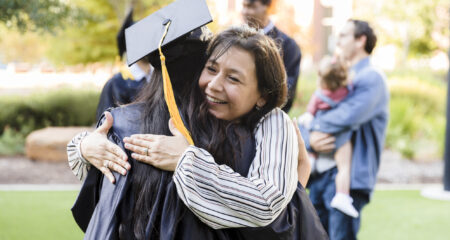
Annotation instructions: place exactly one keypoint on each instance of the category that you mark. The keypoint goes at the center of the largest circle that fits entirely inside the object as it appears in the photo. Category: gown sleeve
(222, 198)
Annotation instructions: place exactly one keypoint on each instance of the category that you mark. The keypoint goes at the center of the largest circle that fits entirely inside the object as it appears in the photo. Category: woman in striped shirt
(244, 84)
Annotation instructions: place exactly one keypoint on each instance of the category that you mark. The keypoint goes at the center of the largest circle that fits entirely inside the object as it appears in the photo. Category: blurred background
(55, 57)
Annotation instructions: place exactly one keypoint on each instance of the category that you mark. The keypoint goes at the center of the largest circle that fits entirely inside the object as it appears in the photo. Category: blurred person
(334, 86)
(124, 86)
(365, 111)
(256, 14)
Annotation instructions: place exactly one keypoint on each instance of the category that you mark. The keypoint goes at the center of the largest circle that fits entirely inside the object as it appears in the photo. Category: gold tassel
(168, 94)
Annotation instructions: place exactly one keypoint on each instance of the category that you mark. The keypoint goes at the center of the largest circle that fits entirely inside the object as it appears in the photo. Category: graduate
(123, 87)
(145, 202)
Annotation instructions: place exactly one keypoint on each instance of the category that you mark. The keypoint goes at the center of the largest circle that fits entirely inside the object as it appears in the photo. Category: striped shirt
(77, 163)
(222, 198)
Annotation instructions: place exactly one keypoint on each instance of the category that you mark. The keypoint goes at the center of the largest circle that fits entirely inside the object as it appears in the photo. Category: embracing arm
(222, 198)
(77, 163)
(87, 149)
(364, 103)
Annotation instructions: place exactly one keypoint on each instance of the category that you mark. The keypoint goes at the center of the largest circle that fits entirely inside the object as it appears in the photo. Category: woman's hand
(103, 154)
(160, 151)
(304, 166)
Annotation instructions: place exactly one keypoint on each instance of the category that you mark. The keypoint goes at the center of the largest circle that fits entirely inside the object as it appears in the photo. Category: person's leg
(342, 226)
(316, 187)
(343, 157)
(342, 200)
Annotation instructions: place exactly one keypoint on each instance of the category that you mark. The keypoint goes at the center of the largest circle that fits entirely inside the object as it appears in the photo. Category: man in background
(365, 111)
(255, 14)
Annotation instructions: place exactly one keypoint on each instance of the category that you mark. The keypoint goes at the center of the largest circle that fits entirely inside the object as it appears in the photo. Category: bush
(20, 115)
(417, 114)
(12, 142)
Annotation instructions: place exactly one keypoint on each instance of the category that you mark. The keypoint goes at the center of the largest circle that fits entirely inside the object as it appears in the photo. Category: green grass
(37, 215)
(391, 215)
(405, 215)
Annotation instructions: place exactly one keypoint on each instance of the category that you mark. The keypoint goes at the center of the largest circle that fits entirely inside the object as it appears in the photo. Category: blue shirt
(367, 107)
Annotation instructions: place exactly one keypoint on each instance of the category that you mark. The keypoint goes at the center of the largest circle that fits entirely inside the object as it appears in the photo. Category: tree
(420, 27)
(37, 15)
(95, 40)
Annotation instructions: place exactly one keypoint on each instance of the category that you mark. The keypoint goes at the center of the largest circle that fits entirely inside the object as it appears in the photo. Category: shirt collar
(269, 27)
(138, 73)
(361, 64)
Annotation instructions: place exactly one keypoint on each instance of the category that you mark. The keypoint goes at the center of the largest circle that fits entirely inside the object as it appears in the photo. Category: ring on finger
(146, 151)
(106, 163)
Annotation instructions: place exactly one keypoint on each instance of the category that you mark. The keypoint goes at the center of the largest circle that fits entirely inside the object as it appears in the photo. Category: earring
(257, 107)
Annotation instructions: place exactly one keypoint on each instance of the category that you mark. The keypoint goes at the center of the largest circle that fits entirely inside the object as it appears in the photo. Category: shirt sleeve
(222, 198)
(312, 104)
(365, 102)
(77, 163)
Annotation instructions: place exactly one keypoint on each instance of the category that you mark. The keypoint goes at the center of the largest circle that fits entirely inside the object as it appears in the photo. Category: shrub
(19, 115)
(417, 114)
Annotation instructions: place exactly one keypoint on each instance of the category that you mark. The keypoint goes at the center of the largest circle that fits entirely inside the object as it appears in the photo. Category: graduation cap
(170, 30)
(121, 34)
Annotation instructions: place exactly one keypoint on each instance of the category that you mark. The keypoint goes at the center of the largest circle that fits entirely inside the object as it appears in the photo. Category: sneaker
(343, 203)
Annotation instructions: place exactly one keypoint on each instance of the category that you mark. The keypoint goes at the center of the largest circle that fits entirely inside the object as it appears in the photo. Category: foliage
(63, 107)
(418, 27)
(26, 47)
(12, 142)
(37, 15)
(96, 40)
(417, 114)
(21, 115)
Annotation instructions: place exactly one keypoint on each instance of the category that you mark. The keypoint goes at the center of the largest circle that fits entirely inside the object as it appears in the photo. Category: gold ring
(146, 151)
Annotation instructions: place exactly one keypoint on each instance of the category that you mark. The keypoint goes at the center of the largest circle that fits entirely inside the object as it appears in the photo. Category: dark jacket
(291, 57)
(118, 90)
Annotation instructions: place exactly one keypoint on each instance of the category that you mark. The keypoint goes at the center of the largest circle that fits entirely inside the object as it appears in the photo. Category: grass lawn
(38, 215)
(391, 215)
(405, 215)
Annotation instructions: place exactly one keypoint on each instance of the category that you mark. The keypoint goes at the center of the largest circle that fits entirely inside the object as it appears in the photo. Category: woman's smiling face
(230, 84)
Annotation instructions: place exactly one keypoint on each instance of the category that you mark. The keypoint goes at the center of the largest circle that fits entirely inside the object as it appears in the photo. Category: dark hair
(224, 140)
(362, 28)
(146, 179)
(263, 2)
(333, 72)
(270, 71)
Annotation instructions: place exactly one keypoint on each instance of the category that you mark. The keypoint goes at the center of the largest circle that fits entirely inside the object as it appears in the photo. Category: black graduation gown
(291, 58)
(118, 90)
(100, 204)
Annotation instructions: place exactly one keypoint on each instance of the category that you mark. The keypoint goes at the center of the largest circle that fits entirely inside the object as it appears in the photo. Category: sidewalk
(20, 173)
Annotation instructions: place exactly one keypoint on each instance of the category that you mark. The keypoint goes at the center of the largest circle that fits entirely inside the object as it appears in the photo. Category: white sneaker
(343, 203)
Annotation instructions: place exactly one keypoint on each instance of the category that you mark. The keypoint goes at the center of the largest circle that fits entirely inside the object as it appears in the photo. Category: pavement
(19, 173)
